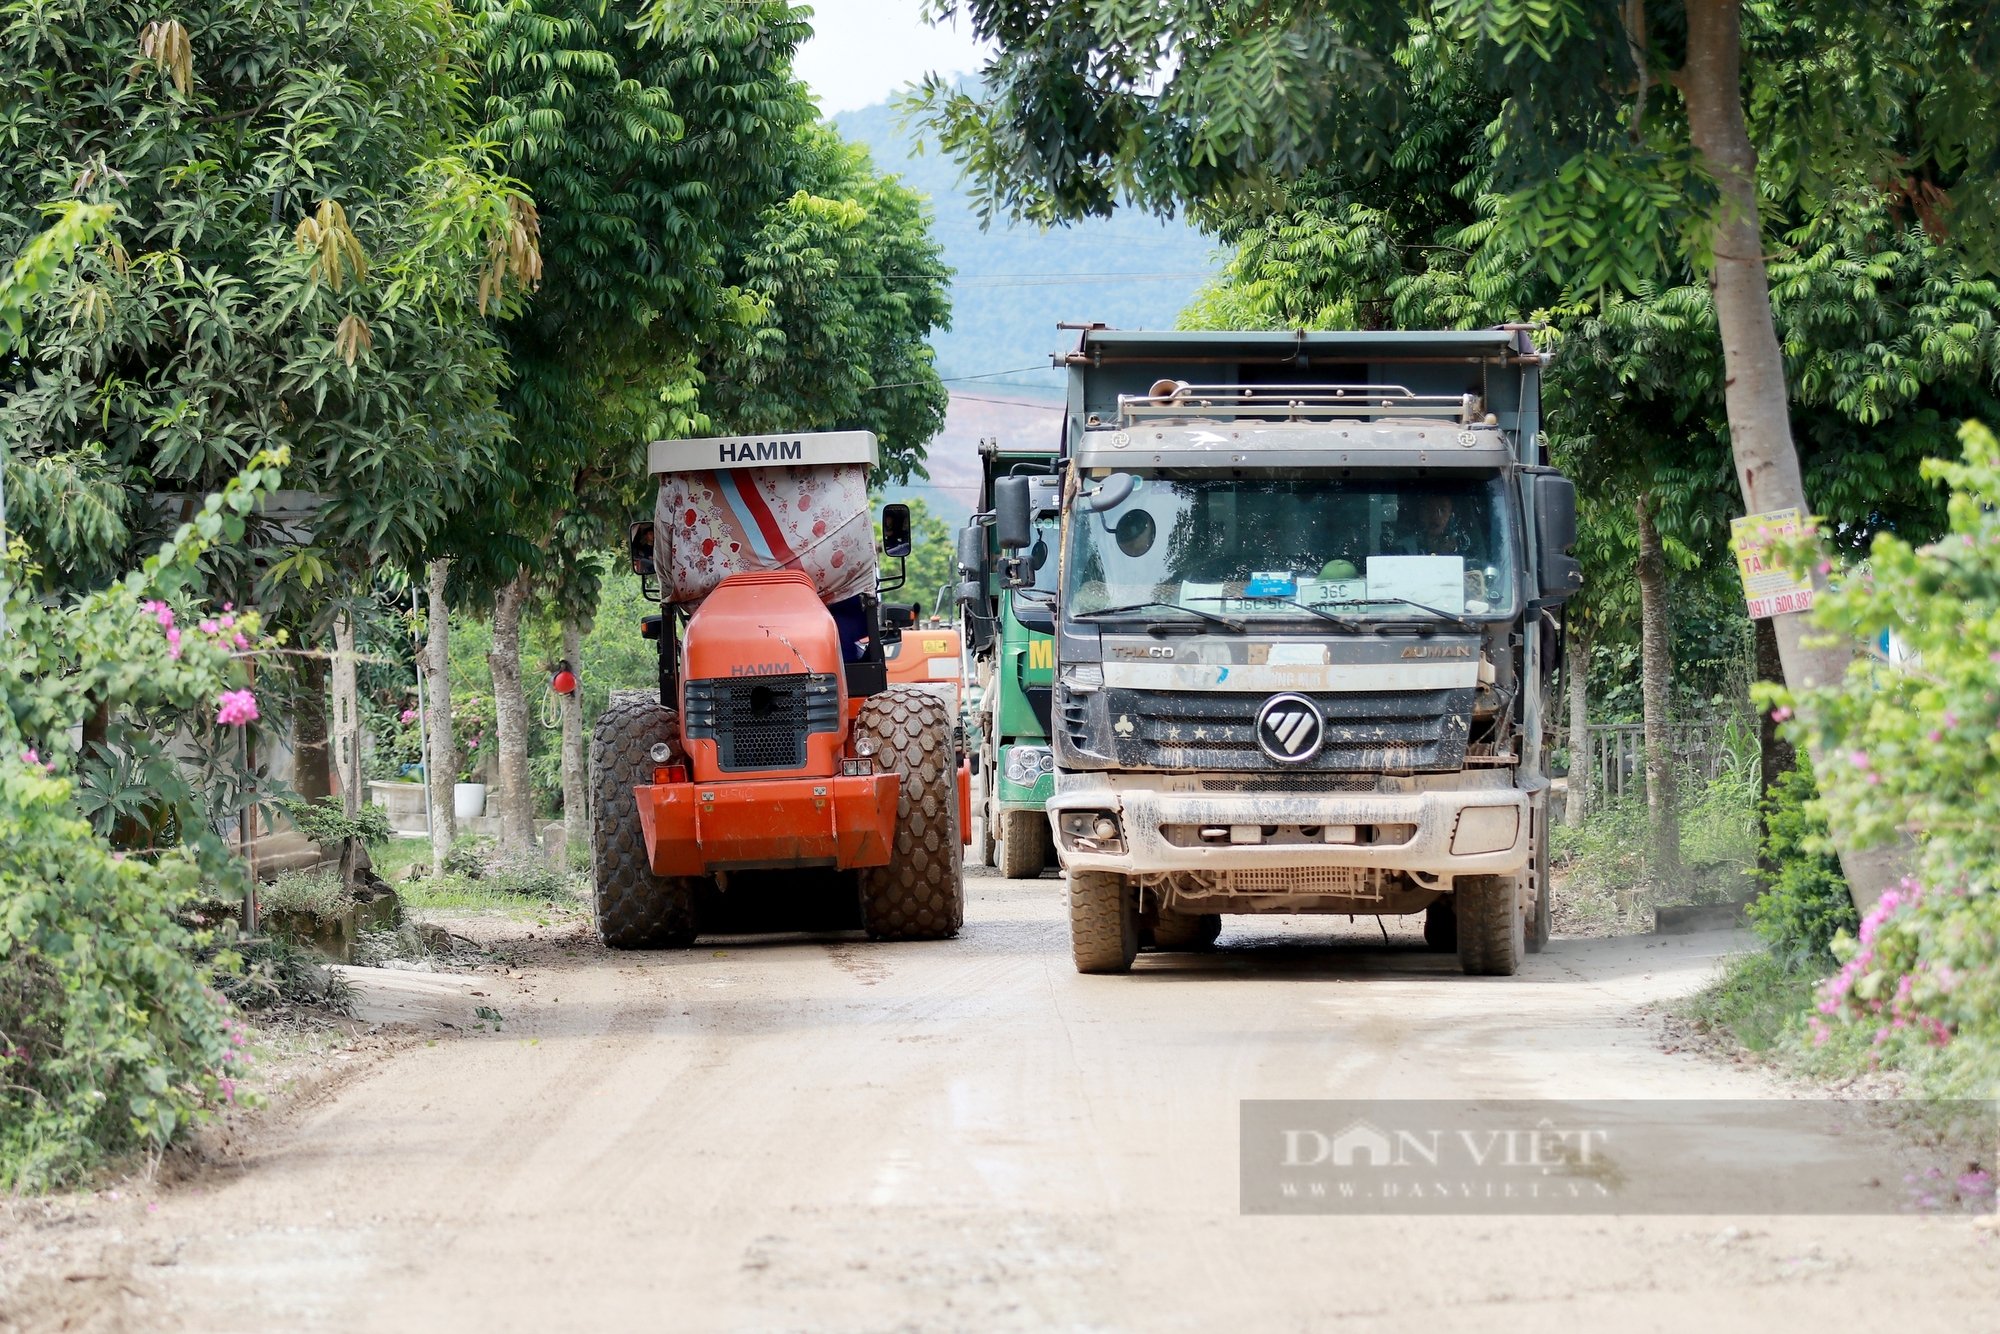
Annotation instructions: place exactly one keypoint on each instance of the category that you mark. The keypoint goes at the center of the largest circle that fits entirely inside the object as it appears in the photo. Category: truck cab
(1014, 662)
(1305, 627)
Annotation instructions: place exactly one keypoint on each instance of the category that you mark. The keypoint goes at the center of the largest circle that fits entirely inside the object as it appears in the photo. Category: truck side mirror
(1012, 522)
(1555, 534)
(639, 546)
(972, 552)
(896, 530)
(1111, 492)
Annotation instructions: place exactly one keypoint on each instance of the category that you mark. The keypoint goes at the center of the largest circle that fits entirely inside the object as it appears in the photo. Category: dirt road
(829, 1135)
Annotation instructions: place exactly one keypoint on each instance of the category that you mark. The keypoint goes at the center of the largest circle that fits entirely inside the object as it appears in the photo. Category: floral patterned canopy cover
(810, 518)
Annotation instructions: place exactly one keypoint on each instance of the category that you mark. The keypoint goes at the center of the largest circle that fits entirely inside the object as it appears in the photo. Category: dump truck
(1305, 634)
(777, 742)
(1013, 653)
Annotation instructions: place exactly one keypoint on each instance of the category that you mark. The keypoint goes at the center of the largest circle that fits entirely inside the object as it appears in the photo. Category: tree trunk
(312, 768)
(576, 806)
(1656, 667)
(1775, 755)
(346, 721)
(1760, 427)
(510, 714)
(1576, 666)
(442, 762)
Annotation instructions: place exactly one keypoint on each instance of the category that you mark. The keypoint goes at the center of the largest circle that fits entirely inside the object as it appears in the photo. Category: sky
(863, 51)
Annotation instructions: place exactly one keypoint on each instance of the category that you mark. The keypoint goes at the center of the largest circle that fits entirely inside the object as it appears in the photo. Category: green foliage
(300, 244)
(318, 894)
(1806, 903)
(1608, 878)
(114, 1039)
(473, 719)
(838, 288)
(1758, 1002)
(1911, 750)
(326, 822)
(714, 263)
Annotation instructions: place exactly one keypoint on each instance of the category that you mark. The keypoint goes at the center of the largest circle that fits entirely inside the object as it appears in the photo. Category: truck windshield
(1261, 545)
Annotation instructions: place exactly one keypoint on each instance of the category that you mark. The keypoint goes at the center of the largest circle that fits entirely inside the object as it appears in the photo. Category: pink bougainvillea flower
(409, 715)
(1782, 712)
(210, 628)
(173, 644)
(229, 606)
(1859, 759)
(241, 642)
(235, 708)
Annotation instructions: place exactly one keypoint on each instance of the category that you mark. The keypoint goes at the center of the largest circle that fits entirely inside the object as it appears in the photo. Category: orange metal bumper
(700, 828)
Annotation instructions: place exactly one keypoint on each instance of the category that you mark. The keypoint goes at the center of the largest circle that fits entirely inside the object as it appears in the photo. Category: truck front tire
(635, 909)
(1023, 844)
(1103, 922)
(1492, 929)
(920, 894)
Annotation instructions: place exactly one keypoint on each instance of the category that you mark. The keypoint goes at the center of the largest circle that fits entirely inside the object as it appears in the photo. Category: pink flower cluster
(1837, 995)
(235, 708)
(223, 628)
(165, 616)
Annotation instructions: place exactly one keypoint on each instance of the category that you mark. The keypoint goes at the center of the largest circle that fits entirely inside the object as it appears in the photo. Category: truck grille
(1366, 732)
(761, 722)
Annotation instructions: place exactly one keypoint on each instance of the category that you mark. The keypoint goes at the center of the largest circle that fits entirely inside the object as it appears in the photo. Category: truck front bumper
(1143, 813)
(758, 824)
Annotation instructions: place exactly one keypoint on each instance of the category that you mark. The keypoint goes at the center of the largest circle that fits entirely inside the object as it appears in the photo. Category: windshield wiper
(1235, 627)
(1349, 626)
(1458, 621)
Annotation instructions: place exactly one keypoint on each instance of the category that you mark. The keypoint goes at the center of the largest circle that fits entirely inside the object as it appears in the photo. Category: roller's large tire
(635, 909)
(1024, 844)
(1186, 931)
(1103, 922)
(1541, 924)
(1492, 929)
(920, 894)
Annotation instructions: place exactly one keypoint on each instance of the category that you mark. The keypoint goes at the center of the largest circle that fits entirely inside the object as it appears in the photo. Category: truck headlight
(1485, 829)
(1026, 764)
(1091, 831)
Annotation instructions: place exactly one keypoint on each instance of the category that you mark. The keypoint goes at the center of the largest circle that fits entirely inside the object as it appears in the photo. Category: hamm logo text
(762, 451)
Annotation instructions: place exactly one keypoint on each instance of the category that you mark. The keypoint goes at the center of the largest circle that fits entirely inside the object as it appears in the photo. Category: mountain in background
(1013, 285)
(1010, 290)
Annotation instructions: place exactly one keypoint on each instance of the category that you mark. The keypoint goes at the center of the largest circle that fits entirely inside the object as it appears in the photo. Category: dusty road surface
(820, 1134)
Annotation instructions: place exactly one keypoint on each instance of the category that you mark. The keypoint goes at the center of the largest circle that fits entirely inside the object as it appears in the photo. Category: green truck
(1008, 636)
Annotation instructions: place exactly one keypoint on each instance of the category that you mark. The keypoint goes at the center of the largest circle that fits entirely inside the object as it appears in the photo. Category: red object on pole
(563, 682)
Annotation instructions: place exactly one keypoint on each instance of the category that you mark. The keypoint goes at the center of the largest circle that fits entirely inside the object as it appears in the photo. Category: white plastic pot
(468, 800)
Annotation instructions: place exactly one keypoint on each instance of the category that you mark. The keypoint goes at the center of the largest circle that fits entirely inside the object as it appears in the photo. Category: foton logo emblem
(761, 669)
(762, 451)
(1290, 729)
(1438, 651)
